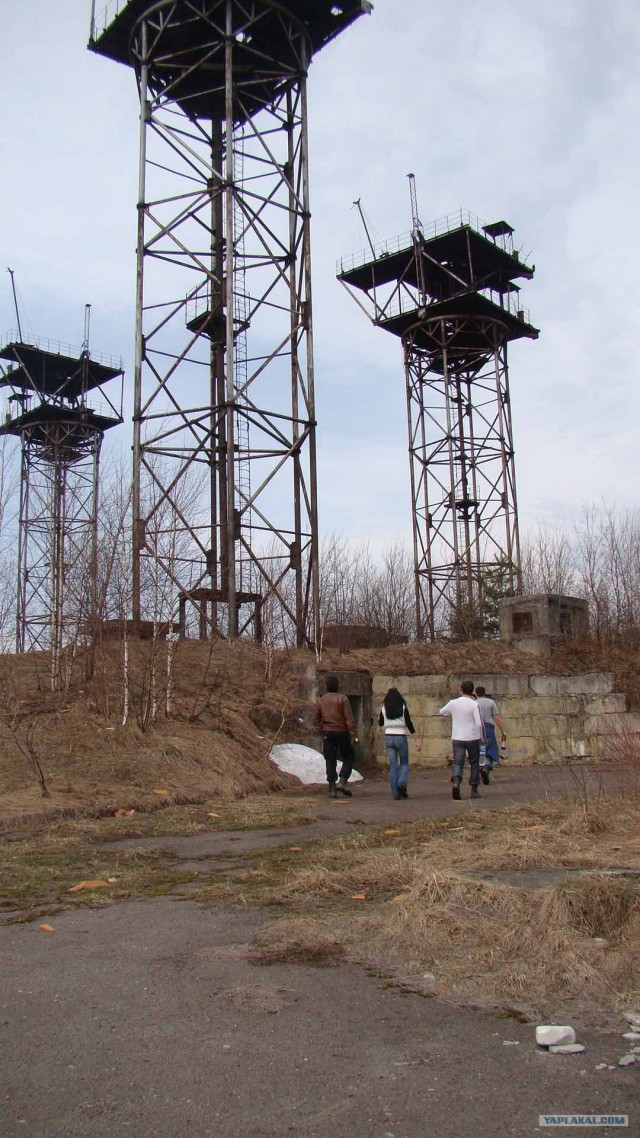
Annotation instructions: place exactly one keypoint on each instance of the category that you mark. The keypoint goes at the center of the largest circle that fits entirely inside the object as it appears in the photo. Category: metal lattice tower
(449, 293)
(225, 502)
(53, 409)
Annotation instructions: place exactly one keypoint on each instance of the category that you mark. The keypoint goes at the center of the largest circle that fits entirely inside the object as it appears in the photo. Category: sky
(527, 112)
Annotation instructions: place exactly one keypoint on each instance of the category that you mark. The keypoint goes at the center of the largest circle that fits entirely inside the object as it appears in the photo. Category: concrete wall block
(435, 752)
(432, 685)
(594, 683)
(523, 748)
(625, 724)
(520, 725)
(615, 703)
(427, 707)
(544, 685)
(497, 684)
(380, 687)
(429, 727)
(557, 726)
(509, 686)
(541, 706)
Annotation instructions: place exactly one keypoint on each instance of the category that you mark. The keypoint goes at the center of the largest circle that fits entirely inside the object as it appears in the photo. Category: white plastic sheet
(303, 762)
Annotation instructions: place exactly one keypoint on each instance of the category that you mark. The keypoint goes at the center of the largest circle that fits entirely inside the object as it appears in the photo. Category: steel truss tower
(52, 409)
(225, 511)
(449, 293)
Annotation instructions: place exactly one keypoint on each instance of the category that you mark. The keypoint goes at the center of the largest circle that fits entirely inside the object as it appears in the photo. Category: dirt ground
(151, 1019)
(241, 987)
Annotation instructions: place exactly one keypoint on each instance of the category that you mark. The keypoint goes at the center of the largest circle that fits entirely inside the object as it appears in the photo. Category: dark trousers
(466, 748)
(336, 743)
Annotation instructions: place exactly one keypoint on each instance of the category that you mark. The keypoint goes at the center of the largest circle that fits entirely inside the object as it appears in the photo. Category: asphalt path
(372, 804)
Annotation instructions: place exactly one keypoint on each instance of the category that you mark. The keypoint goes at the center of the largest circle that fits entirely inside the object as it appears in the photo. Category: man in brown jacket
(333, 719)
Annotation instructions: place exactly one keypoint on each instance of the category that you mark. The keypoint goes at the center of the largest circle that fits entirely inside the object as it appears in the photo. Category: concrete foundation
(547, 718)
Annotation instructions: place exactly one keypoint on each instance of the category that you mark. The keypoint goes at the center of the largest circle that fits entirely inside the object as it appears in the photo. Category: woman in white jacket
(395, 718)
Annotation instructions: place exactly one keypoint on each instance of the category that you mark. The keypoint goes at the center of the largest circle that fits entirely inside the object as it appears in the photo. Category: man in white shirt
(467, 732)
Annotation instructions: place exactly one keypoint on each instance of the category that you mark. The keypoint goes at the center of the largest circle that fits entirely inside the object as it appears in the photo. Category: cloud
(527, 112)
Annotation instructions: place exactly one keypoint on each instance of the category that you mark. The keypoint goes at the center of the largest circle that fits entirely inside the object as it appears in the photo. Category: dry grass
(319, 953)
(256, 812)
(410, 904)
(488, 943)
(481, 657)
(214, 744)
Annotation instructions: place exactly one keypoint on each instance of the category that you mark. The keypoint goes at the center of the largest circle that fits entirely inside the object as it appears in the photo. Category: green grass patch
(39, 872)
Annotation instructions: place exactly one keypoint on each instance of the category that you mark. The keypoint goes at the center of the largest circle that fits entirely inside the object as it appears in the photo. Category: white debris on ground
(567, 1049)
(553, 1035)
(304, 763)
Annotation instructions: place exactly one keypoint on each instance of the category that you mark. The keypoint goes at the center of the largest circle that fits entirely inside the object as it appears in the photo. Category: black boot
(332, 790)
(343, 788)
(455, 792)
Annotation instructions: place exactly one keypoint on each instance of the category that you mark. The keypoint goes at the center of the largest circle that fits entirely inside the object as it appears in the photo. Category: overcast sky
(523, 111)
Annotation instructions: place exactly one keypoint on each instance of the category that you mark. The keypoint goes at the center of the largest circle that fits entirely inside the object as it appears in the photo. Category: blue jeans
(397, 748)
(493, 754)
(471, 748)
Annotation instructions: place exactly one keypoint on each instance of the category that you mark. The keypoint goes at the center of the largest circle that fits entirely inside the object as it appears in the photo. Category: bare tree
(548, 561)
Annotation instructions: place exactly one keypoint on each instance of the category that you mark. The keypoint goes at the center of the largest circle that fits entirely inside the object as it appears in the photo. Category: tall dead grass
(411, 905)
(492, 944)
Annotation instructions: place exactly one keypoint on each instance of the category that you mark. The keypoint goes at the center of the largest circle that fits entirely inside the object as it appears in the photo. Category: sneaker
(455, 791)
(475, 793)
(343, 788)
(484, 775)
(402, 791)
(332, 790)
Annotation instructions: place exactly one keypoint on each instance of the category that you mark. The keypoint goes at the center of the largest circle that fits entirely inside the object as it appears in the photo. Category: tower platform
(58, 380)
(52, 370)
(466, 270)
(200, 91)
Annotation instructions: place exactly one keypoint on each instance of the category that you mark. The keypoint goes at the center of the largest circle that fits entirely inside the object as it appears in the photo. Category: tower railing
(403, 303)
(437, 228)
(101, 19)
(57, 348)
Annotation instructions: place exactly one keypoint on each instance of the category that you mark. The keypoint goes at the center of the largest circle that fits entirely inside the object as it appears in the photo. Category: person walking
(396, 720)
(467, 732)
(333, 719)
(491, 719)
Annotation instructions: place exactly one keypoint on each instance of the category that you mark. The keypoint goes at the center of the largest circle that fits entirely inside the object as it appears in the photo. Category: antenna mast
(15, 302)
(87, 327)
(366, 227)
(416, 235)
(416, 224)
